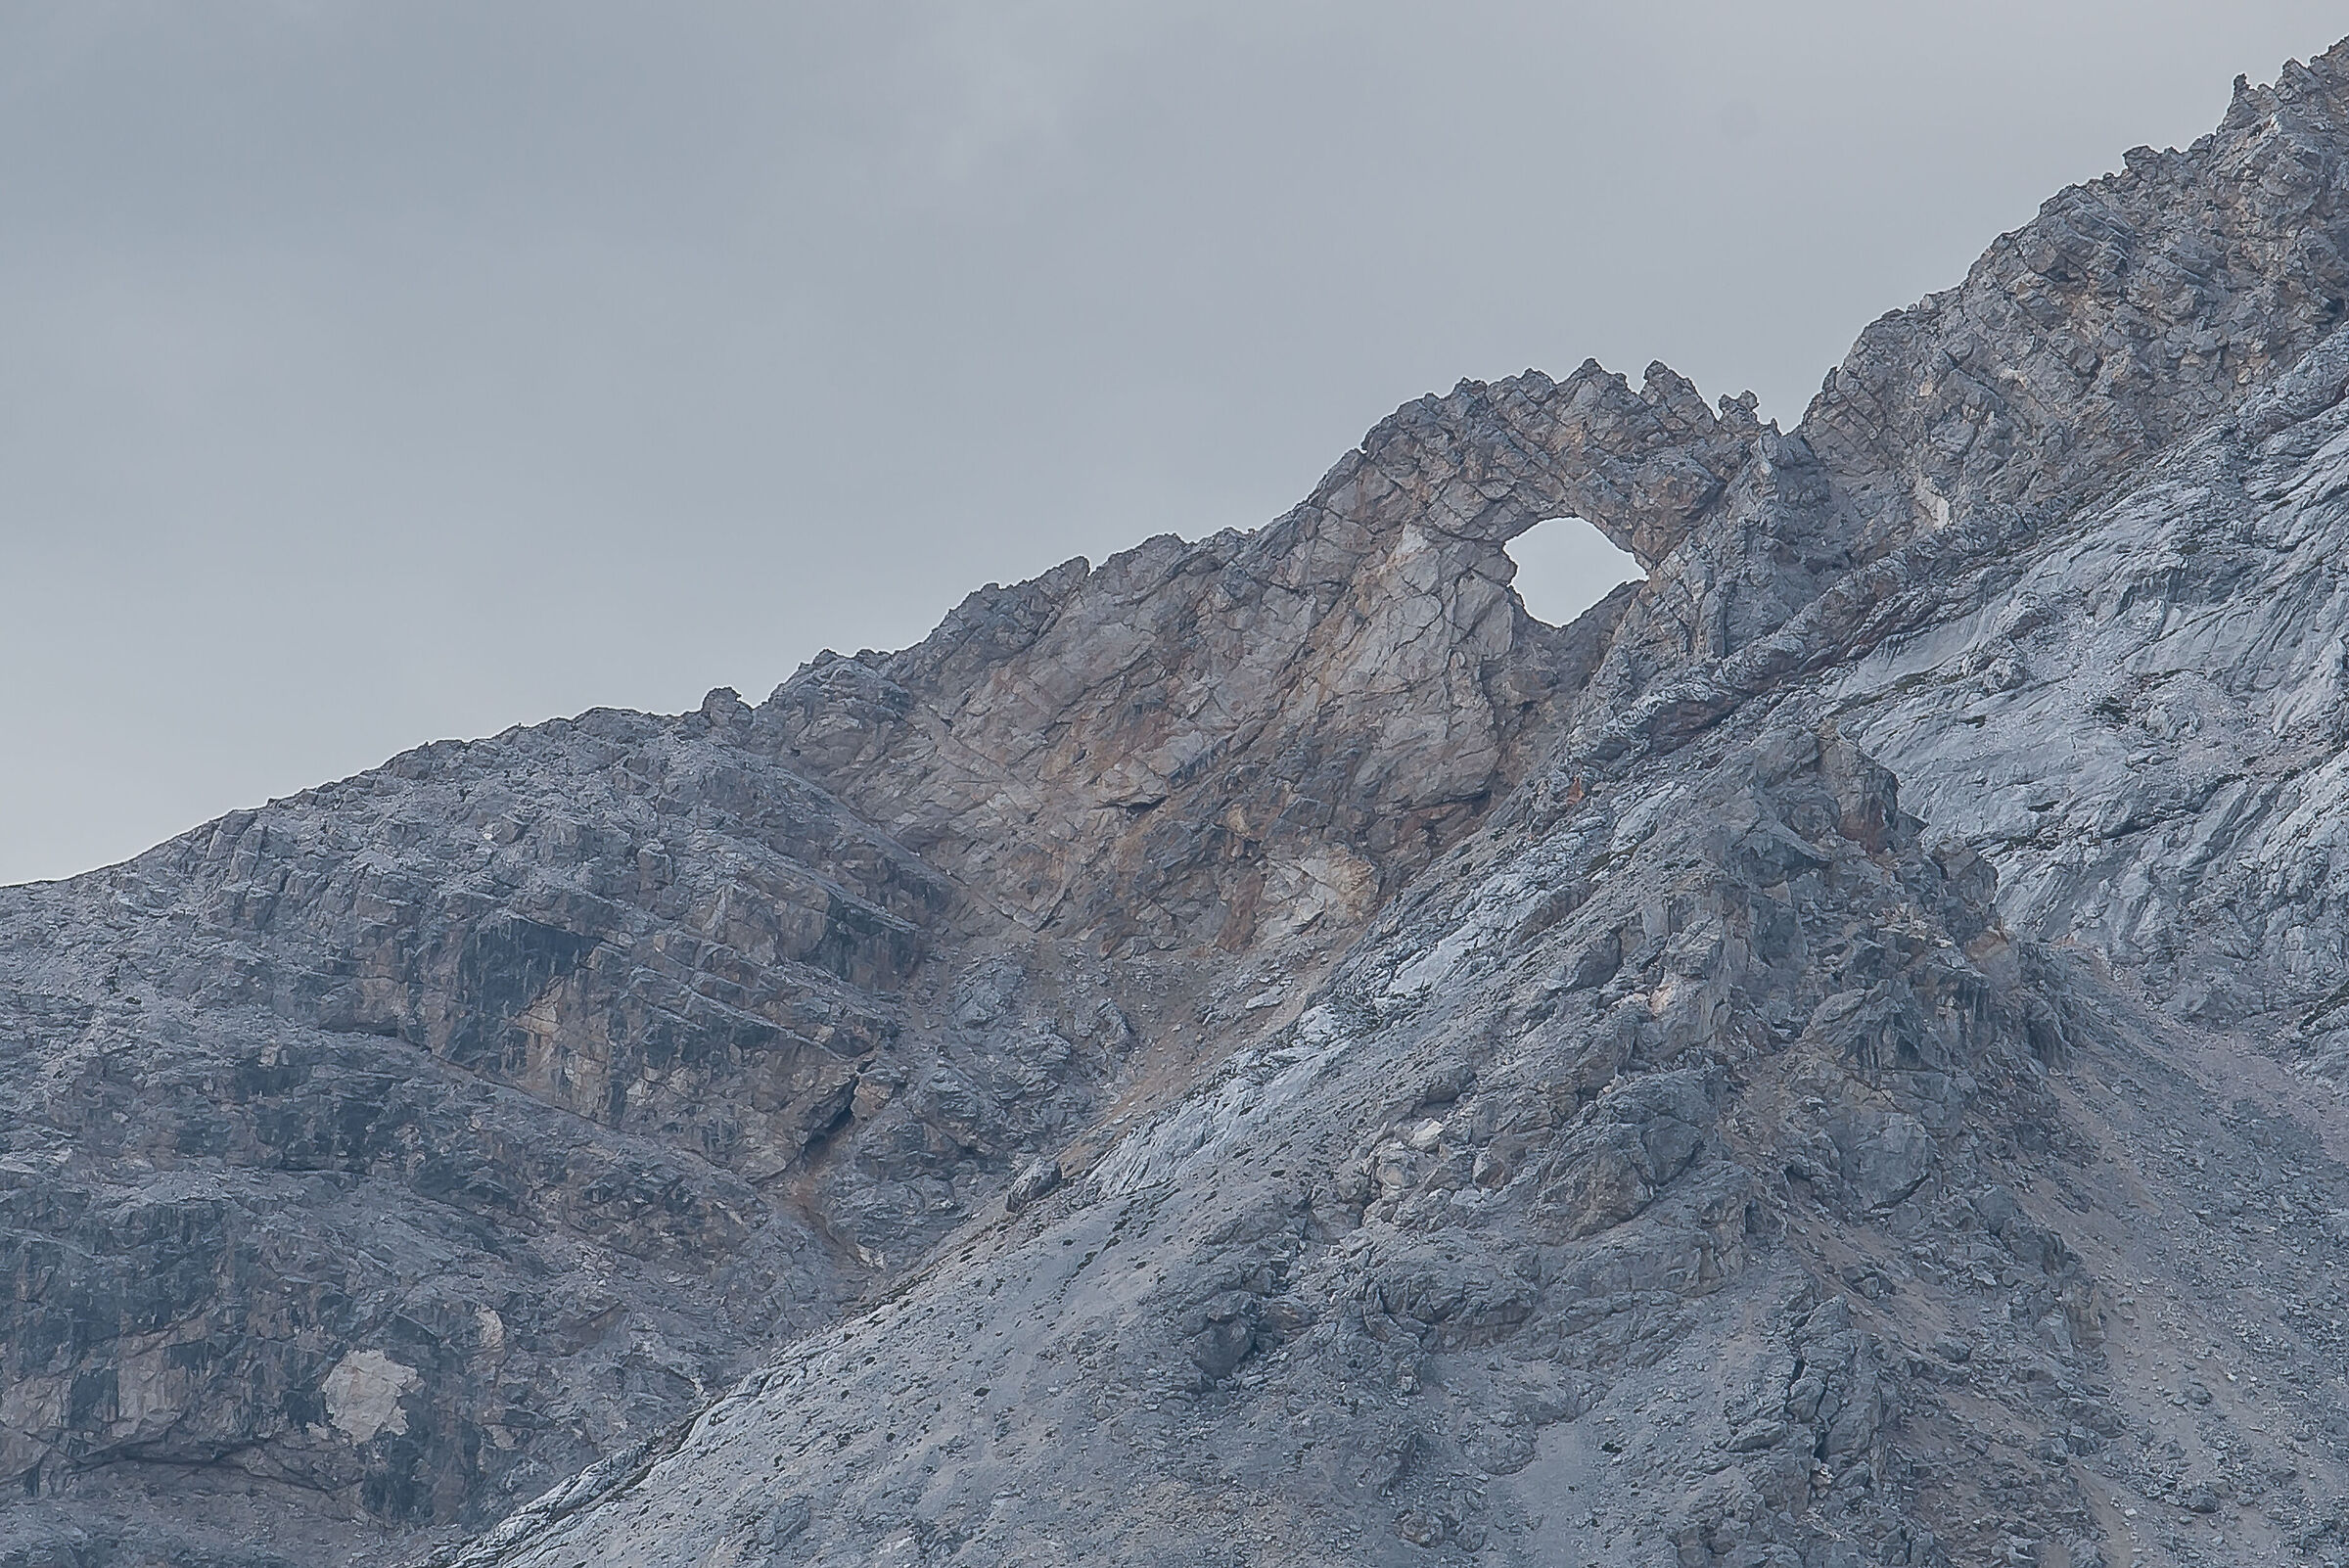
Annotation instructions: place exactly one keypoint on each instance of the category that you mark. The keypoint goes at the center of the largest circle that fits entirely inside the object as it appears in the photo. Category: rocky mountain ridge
(1262, 1051)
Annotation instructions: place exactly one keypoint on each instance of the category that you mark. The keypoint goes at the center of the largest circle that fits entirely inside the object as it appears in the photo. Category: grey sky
(377, 372)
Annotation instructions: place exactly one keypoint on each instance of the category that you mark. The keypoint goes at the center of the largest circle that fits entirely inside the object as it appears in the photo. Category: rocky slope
(1260, 1051)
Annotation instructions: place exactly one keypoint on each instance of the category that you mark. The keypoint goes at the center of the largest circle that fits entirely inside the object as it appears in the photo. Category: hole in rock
(1564, 566)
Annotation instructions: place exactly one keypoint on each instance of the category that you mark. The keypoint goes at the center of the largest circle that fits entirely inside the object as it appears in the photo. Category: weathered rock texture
(1260, 1051)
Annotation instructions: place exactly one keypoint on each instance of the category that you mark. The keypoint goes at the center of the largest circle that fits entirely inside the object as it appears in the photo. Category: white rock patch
(363, 1392)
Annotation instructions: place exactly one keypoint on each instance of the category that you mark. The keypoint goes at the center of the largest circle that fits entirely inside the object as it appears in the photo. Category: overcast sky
(371, 372)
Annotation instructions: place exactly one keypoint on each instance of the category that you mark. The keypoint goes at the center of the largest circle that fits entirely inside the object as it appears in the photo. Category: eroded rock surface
(1258, 1051)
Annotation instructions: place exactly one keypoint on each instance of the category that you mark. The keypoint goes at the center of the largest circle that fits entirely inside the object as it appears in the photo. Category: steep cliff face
(379, 1142)
(1392, 1281)
(1201, 746)
(1260, 1051)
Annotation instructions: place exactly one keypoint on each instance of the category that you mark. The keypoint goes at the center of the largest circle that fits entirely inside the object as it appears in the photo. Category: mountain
(1260, 1051)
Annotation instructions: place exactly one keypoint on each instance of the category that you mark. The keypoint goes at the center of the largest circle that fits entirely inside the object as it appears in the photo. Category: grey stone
(1260, 1050)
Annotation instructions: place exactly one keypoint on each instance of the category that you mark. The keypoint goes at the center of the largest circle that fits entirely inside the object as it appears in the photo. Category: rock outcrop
(1260, 1050)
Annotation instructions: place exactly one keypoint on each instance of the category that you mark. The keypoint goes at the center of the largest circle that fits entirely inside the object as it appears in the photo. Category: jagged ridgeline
(1261, 1052)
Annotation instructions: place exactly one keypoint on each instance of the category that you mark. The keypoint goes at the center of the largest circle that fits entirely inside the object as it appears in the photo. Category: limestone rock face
(1260, 1051)
(400, 1140)
(1212, 746)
